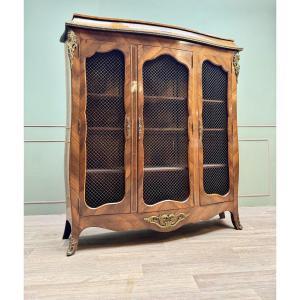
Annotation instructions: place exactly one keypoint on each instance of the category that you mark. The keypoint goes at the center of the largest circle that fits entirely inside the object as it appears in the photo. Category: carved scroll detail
(166, 220)
(72, 44)
(236, 65)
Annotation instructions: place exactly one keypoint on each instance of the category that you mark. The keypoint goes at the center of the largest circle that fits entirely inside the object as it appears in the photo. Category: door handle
(127, 127)
(140, 127)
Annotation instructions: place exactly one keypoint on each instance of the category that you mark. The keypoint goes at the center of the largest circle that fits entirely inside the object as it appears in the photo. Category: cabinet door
(165, 138)
(215, 127)
(105, 121)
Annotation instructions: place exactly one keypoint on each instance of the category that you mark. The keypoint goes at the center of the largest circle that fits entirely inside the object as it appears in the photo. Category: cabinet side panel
(74, 64)
(67, 135)
(235, 135)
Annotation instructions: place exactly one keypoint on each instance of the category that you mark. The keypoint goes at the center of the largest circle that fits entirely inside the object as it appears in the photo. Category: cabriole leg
(236, 220)
(67, 230)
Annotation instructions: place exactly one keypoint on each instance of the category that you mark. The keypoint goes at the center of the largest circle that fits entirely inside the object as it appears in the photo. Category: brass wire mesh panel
(105, 149)
(105, 113)
(215, 147)
(166, 174)
(165, 113)
(167, 185)
(103, 187)
(214, 114)
(165, 149)
(216, 180)
(215, 138)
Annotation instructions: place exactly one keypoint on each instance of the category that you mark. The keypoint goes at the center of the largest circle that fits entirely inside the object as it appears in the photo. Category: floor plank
(207, 260)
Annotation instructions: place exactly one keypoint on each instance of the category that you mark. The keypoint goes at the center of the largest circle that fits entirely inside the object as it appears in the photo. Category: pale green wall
(251, 23)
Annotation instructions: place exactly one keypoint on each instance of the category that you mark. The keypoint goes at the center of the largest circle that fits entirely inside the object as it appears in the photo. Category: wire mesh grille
(105, 149)
(165, 77)
(166, 113)
(167, 185)
(216, 180)
(215, 147)
(105, 113)
(215, 138)
(214, 82)
(166, 134)
(165, 149)
(104, 187)
(214, 114)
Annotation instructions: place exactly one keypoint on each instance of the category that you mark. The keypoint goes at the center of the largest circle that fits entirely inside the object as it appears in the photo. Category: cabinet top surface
(148, 28)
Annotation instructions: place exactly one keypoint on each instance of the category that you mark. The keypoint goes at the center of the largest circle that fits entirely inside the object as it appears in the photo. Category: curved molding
(147, 28)
(216, 63)
(269, 184)
(166, 52)
(120, 20)
(134, 221)
(97, 47)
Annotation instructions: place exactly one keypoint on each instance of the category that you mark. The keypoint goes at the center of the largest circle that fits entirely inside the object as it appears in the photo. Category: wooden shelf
(105, 128)
(165, 129)
(207, 166)
(106, 95)
(213, 129)
(213, 101)
(164, 169)
(159, 98)
(91, 171)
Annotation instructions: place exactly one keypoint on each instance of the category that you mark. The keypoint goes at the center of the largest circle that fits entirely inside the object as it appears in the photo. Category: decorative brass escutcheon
(166, 220)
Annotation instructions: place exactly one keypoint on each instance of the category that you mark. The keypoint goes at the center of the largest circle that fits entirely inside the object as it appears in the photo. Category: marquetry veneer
(152, 126)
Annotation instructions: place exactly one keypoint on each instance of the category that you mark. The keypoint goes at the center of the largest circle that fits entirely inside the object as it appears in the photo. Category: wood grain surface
(130, 212)
(147, 28)
(206, 260)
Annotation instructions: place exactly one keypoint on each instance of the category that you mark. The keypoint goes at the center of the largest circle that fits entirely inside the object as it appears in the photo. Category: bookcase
(152, 126)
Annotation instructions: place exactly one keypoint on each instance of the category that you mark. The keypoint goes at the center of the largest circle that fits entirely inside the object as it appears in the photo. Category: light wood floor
(208, 260)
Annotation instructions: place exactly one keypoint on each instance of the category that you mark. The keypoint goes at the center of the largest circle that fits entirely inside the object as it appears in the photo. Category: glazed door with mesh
(164, 175)
(107, 136)
(215, 132)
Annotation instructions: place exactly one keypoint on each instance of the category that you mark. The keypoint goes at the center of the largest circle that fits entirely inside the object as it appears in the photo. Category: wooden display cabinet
(152, 126)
